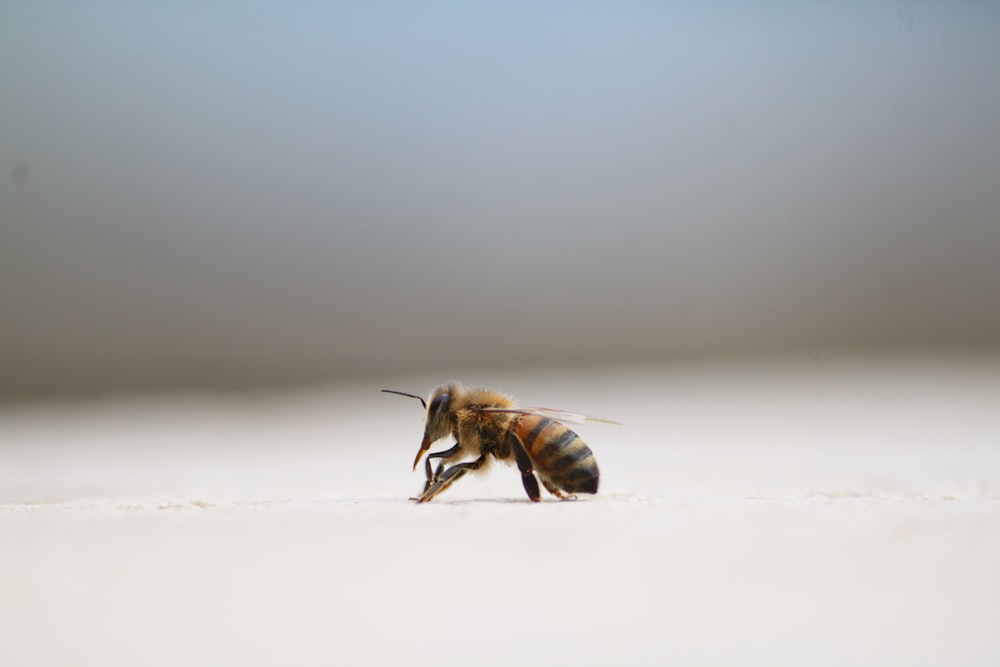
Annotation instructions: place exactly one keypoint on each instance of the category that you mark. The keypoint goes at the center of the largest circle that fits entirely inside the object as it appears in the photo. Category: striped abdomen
(558, 454)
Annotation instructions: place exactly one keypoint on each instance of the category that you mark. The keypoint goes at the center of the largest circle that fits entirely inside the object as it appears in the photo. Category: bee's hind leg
(527, 474)
(556, 491)
(449, 477)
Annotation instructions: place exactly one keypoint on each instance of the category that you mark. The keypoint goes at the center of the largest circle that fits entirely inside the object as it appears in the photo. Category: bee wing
(558, 415)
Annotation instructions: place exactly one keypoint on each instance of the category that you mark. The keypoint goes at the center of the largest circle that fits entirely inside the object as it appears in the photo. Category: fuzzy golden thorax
(453, 409)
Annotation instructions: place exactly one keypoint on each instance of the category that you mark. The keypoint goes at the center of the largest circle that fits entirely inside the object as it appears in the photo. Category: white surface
(819, 511)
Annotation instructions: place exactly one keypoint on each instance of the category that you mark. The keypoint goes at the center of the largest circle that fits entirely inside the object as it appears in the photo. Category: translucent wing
(558, 415)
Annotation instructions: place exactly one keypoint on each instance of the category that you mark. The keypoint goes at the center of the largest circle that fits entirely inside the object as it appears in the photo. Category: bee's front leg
(449, 477)
(433, 476)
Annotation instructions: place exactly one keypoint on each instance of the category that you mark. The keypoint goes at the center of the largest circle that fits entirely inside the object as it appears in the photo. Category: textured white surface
(819, 511)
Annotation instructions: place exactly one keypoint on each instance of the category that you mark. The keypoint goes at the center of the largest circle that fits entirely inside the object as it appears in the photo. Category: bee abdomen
(559, 454)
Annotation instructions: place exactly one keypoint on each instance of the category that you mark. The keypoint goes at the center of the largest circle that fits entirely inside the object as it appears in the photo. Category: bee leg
(527, 474)
(449, 477)
(436, 476)
(557, 492)
(432, 477)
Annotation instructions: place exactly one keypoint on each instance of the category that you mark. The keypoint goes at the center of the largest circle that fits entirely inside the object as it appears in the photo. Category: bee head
(438, 424)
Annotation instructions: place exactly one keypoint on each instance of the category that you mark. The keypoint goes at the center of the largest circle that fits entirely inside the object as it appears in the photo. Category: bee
(488, 425)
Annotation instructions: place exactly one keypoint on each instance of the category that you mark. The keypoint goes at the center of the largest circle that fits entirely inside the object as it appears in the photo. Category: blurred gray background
(225, 194)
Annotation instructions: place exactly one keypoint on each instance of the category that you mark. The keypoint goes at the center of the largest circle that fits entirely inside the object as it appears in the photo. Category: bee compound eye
(439, 405)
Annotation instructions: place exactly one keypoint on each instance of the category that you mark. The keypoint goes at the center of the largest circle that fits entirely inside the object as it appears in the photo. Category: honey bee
(488, 425)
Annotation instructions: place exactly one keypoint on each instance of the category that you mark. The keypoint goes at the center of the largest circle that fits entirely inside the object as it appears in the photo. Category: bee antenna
(403, 393)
